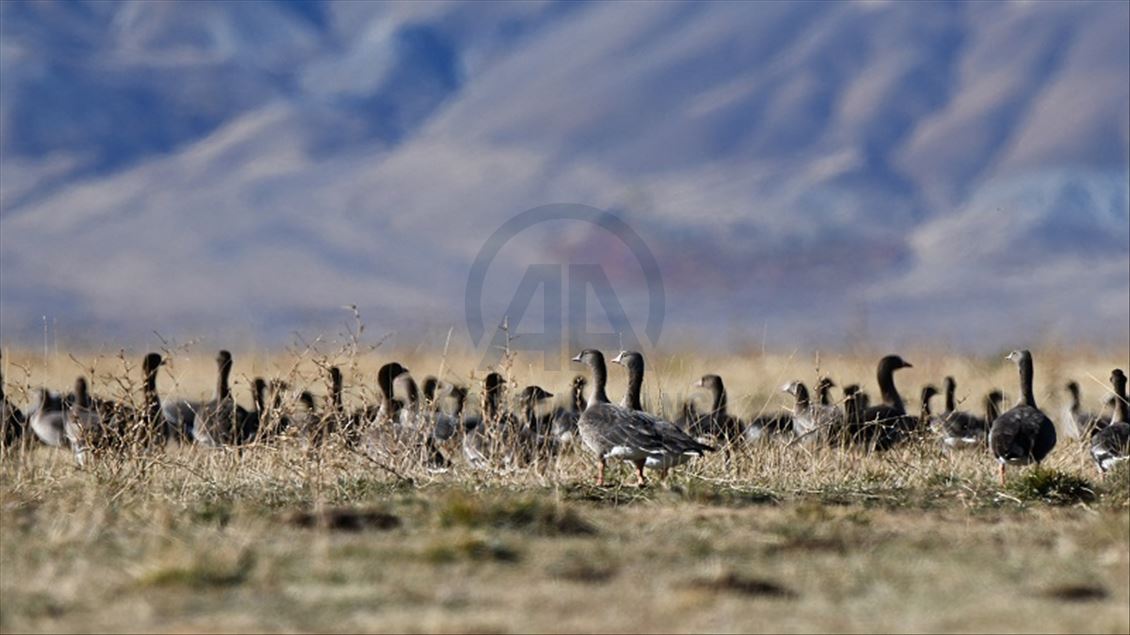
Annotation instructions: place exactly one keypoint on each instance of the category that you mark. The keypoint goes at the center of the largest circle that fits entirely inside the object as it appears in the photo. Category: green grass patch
(1051, 486)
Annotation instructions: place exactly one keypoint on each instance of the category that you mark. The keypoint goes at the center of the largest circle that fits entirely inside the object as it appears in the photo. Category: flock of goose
(432, 423)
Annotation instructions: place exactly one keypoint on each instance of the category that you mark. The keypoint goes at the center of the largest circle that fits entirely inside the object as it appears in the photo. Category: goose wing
(640, 430)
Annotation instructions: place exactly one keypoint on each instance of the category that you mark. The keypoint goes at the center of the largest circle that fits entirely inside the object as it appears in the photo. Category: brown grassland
(279, 538)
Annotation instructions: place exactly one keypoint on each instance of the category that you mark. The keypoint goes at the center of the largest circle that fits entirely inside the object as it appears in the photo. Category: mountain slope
(789, 163)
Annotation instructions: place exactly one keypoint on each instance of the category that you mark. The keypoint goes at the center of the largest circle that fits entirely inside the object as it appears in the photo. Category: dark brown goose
(613, 432)
(388, 411)
(315, 428)
(1077, 422)
(429, 389)
(94, 425)
(219, 422)
(926, 418)
(884, 425)
(254, 421)
(718, 422)
(564, 425)
(824, 387)
(154, 424)
(1111, 445)
(1024, 434)
(532, 442)
(862, 399)
(491, 417)
(960, 429)
(690, 420)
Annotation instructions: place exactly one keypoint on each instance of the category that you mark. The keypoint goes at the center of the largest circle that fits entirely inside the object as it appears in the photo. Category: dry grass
(786, 539)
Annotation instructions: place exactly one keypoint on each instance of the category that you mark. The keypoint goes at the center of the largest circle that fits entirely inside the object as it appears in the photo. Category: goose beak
(619, 359)
(907, 365)
(787, 387)
(697, 383)
(577, 358)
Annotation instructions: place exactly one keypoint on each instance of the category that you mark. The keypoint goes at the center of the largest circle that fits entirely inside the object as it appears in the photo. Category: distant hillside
(805, 171)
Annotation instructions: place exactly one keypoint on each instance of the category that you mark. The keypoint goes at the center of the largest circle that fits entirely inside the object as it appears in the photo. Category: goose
(960, 429)
(461, 422)
(447, 425)
(95, 424)
(1111, 445)
(337, 418)
(812, 422)
(220, 421)
(862, 399)
(476, 435)
(155, 426)
(411, 419)
(854, 406)
(926, 418)
(415, 427)
(769, 425)
(388, 410)
(12, 421)
(1023, 434)
(690, 420)
(722, 425)
(532, 442)
(180, 418)
(47, 419)
(564, 425)
(306, 422)
(1078, 423)
(613, 432)
(250, 423)
(992, 404)
(83, 424)
(633, 362)
(824, 388)
(316, 428)
(428, 387)
(885, 424)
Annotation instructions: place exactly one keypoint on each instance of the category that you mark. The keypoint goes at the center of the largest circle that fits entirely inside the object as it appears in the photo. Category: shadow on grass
(731, 582)
(524, 512)
(343, 519)
(202, 573)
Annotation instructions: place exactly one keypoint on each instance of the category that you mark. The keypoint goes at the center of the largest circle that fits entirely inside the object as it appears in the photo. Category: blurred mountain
(799, 169)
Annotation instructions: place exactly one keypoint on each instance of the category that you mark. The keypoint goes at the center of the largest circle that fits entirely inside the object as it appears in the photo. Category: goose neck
(890, 394)
(223, 390)
(1026, 372)
(599, 381)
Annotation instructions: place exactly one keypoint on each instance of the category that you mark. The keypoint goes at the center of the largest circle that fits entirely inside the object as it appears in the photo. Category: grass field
(784, 539)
